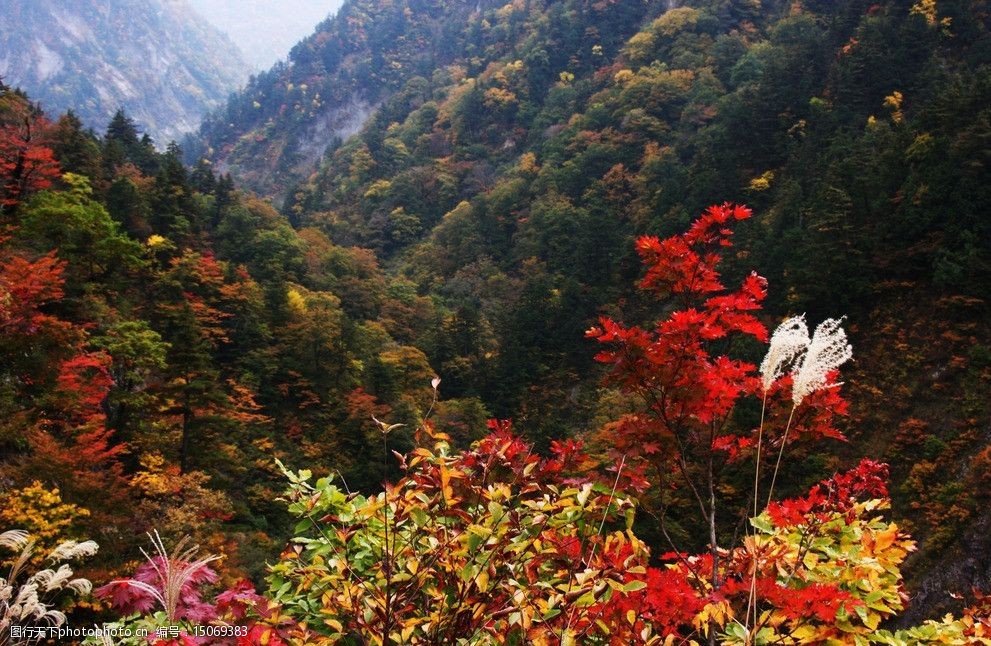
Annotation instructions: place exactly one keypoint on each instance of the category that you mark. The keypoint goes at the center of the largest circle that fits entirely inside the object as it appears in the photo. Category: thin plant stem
(602, 524)
(781, 452)
(752, 597)
(612, 494)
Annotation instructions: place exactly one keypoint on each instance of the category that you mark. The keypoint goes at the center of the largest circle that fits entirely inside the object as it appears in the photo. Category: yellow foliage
(462, 210)
(378, 189)
(762, 182)
(41, 513)
(528, 164)
(894, 103)
(676, 20)
(623, 76)
(506, 11)
(296, 301)
(457, 73)
(639, 48)
(496, 97)
(926, 9)
(180, 503)
(454, 96)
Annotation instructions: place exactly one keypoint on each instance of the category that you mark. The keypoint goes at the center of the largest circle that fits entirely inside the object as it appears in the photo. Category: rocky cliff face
(155, 58)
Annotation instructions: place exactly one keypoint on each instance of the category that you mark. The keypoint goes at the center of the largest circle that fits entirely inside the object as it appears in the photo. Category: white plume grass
(80, 586)
(30, 601)
(55, 617)
(827, 351)
(15, 539)
(50, 580)
(72, 549)
(811, 360)
(789, 341)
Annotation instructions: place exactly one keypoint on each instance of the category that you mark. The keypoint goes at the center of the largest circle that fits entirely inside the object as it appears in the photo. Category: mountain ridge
(157, 59)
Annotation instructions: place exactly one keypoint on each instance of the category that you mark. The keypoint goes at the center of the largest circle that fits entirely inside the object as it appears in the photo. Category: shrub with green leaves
(491, 545)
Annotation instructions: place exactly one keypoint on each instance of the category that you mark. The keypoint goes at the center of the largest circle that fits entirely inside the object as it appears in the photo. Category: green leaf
(763, 523)
(634, 586)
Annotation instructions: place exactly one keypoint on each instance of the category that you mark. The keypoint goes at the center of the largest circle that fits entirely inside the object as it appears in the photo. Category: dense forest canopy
(508, 165)
(487, 213)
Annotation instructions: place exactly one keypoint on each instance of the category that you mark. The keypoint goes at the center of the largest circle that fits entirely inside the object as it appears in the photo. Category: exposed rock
(155, 58)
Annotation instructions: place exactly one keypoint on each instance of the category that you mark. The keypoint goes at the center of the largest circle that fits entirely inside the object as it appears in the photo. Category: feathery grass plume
(788, 342)
(53, 579)
(15, 539)
(31, 602)
(827, 351)
(72, 550)
(174, 571)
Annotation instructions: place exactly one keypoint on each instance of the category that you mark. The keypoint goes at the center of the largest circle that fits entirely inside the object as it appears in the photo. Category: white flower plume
(80, 586)
(14, 539)
(55, 617)
(27, 603)
(827, 351)
(71, 550)
(173, 571)
(49, 580)
(788, 342)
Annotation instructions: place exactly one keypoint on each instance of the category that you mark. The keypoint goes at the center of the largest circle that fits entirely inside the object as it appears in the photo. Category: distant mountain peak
(155, 58)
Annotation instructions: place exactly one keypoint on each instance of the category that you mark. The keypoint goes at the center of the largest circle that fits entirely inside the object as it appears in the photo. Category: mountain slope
(273, 133)
(156, 58)
(508, 182)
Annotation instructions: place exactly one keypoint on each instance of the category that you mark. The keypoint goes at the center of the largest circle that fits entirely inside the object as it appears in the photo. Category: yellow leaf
(445, 483)
(884, 540)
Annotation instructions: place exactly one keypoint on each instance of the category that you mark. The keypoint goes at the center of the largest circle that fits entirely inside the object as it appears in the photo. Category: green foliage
(477, 222)
(82, 232)
(473, 548)
(552, 135)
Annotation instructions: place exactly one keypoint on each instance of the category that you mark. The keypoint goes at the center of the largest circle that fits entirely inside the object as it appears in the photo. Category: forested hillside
(166, 338)
(491, 211)
(507, 168)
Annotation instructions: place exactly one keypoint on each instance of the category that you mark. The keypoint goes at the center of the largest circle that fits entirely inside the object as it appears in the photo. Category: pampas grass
(28, 601)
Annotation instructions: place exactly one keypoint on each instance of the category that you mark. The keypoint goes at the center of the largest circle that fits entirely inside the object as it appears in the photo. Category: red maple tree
(27, 163)
(689, 386)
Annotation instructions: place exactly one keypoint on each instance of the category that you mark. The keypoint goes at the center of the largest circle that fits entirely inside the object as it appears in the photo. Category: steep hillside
(275, 132)
(156, 58)
(508, 166)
